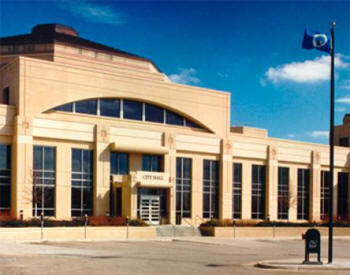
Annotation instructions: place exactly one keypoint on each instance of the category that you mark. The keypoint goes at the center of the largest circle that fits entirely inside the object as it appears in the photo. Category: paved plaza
(161, 256)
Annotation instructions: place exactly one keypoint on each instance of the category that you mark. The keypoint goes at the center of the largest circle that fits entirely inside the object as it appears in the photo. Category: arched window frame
(169, 117)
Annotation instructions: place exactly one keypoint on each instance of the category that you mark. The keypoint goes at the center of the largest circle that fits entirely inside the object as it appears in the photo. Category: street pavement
(197, 255)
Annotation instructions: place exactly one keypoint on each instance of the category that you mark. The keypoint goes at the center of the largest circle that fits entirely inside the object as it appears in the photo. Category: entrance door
(150, 209)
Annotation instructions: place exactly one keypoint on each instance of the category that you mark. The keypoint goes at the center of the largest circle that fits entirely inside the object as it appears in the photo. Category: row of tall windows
(127, 109)
(44, 182)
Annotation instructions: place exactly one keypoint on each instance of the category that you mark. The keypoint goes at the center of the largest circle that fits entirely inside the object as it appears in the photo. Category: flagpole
(331, 154)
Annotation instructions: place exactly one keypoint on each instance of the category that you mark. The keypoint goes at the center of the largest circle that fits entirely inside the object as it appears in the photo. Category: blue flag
(317, 40)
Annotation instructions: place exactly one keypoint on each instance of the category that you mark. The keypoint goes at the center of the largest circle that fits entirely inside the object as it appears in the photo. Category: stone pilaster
(22, 167)
(272, 183)
(197, 189)
(169, 141)
(101, 170)
(225, 188)
(246, 190)
(293, 193)
(63, 181)
(315, 187)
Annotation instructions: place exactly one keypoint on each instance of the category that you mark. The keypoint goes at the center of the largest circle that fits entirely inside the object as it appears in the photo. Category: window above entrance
(127, 109)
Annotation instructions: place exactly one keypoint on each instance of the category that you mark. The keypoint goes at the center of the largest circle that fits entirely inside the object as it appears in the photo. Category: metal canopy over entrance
(150, 209)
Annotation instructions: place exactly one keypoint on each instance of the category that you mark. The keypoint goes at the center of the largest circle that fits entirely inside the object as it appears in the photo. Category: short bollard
(274, 229)
(86, 218)
(42, 224)
(127, 227)
(312, 239)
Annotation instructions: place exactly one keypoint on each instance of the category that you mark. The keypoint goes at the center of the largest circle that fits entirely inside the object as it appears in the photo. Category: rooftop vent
(54, 28)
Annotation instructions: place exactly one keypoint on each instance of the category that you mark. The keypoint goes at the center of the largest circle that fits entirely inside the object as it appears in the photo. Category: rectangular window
(5, 96)
(132, 109)
(118, 202)
(258, 191)
(237, 191)
(82, 182)
(283, 193)
(86, 107)
(44, 180)
(154, 113)
(174, 119)
(5, 177)
(303, 194)
(151, 163)
(119, 163)
(343, 179)
(183, 187)
(325, 181)
(210, 189)
(110, 107)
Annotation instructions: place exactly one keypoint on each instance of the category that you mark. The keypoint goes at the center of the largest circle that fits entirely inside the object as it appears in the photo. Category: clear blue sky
(250, 48)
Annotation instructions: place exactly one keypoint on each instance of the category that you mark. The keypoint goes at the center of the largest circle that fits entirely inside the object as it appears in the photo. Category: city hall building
(89, 129)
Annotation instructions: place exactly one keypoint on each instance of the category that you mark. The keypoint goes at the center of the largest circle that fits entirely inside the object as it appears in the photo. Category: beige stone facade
(37, 77)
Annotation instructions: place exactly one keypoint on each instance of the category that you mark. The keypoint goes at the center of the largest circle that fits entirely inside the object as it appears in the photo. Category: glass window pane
(206, 169)
(173, 118)
(86, 107)
(49, 158)
(49, 197)
(179, 167)
(187, 168)
(114, 163)
(187, 201)
(5, 196)
(76, 198)
(123, 164)
(110, 107)
(190, 123)
(132, 109)
(154, 113)
(87, 158)
(5, 156)
(146, 163)
(38, 157)
(76, 160)
(87, 198)
(65, 108)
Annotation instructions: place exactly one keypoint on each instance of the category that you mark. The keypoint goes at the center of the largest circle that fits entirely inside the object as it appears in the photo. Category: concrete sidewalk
(338, 264)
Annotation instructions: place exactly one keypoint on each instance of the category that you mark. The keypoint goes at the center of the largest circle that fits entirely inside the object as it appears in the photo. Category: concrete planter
(270, 232)
(77, 233)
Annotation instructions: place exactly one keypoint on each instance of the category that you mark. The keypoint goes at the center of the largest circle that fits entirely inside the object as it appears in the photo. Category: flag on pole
(317, 40)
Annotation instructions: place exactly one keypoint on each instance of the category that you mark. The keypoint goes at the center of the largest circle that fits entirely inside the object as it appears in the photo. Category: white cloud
(185, 76)
(318, 134)
(345, 99)
(291, 135)
(346, 84)
(93, 12)
(308, 71)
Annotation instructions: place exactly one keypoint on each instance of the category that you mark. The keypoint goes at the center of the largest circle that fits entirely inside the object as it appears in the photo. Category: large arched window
(127, 109)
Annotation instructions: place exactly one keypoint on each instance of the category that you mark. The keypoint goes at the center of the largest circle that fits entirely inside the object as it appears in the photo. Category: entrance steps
(177, 231)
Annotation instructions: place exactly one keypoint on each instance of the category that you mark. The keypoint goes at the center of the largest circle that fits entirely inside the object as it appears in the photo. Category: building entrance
(150, 209)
